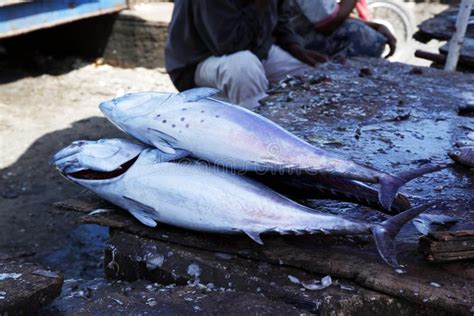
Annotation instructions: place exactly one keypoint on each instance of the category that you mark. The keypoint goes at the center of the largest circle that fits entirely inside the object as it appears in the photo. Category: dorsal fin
(196, 94)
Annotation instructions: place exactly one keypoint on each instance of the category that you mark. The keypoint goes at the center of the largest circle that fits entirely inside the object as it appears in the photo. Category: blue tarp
(29, 16)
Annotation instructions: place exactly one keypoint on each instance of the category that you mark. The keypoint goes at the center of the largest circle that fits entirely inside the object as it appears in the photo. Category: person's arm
(224, 27)
(343, 12)
(286, 38)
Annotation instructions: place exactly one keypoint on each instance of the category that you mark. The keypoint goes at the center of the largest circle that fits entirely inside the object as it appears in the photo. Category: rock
(25, 287)
(111, 298)
(126, 258)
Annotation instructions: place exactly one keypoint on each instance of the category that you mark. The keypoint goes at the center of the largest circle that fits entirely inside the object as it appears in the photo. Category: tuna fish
(236, 138)
(463, 155)
(154, 187)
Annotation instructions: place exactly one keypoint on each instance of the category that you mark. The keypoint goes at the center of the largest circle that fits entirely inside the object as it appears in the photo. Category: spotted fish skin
(233, 137)
(197, 196)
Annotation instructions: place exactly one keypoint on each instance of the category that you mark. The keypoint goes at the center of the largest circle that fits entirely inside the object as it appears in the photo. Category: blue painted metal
(25, 17)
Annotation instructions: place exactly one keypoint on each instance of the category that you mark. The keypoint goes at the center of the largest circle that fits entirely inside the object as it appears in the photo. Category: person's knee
(364, 40)
(243, 68)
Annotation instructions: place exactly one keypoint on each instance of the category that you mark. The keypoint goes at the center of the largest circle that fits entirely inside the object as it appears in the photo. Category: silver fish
(234, 137)
(463, 155)
(195, 196)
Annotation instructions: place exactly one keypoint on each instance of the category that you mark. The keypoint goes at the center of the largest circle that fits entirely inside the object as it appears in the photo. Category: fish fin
(385, 232)
(254, 236)
(197, 94)
(143, 217)
(412, 174)
(144, 213)
(424, 222)
(162, 141)
(390, 184)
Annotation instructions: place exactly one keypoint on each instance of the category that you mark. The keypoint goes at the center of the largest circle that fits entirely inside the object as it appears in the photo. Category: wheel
(399, 20)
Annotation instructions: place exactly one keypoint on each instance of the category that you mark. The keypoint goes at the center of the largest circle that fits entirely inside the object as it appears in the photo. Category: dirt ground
(44, 106)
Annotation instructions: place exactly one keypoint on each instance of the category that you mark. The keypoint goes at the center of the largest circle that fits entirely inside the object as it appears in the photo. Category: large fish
(200, 197)
(235, 138)
(115, 152)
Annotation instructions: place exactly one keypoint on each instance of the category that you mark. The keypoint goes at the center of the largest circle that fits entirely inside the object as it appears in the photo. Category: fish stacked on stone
(169, 188)
(189, 171)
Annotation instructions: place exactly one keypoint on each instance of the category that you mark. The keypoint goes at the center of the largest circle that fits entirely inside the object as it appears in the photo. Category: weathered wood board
(448, 246)
(441, 27)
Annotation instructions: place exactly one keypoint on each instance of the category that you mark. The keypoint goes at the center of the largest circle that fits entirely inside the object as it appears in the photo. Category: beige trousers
(243, 78)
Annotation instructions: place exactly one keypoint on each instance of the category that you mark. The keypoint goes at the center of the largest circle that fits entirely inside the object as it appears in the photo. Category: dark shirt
(203, 28)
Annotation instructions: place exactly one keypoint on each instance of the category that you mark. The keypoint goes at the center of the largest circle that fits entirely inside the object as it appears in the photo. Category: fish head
(463, 155)
(125, 111)
(105, 155)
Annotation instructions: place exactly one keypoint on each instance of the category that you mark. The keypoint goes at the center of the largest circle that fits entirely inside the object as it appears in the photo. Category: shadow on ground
(29, 229)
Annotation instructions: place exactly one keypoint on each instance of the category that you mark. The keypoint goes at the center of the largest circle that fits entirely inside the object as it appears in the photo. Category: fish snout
(454, 154)
(106, 107)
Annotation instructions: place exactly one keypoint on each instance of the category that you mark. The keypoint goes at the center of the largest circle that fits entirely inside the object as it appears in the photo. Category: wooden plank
(448, 246)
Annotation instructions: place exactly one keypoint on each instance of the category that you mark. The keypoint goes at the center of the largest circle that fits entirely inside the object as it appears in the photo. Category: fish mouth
(453, 154)
(89, 174)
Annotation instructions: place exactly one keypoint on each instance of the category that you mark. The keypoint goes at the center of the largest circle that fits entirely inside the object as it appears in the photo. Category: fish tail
(390, 184)
(385, 232)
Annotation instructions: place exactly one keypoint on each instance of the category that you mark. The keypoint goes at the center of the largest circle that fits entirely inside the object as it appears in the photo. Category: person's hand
(391, 40)
(306, 56)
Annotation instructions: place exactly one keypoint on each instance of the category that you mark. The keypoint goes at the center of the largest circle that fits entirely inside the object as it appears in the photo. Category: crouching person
(326, 26)
(236, 46)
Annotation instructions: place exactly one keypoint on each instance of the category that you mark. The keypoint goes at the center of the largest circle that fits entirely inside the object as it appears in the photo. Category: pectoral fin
(162, 141)
(144, 213)
(143, 217)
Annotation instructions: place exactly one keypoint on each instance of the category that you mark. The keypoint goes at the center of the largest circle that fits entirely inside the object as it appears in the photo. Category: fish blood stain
(164, 121)
(158, 115)
(173, 125)
(187, 125)
(202, 121)
(184, 109)
(217, 115)
(202, 111)
(182, 119)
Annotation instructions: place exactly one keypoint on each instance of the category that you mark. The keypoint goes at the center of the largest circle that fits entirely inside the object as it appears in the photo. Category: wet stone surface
(25, 287)
(104, 297)
(394, 119)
